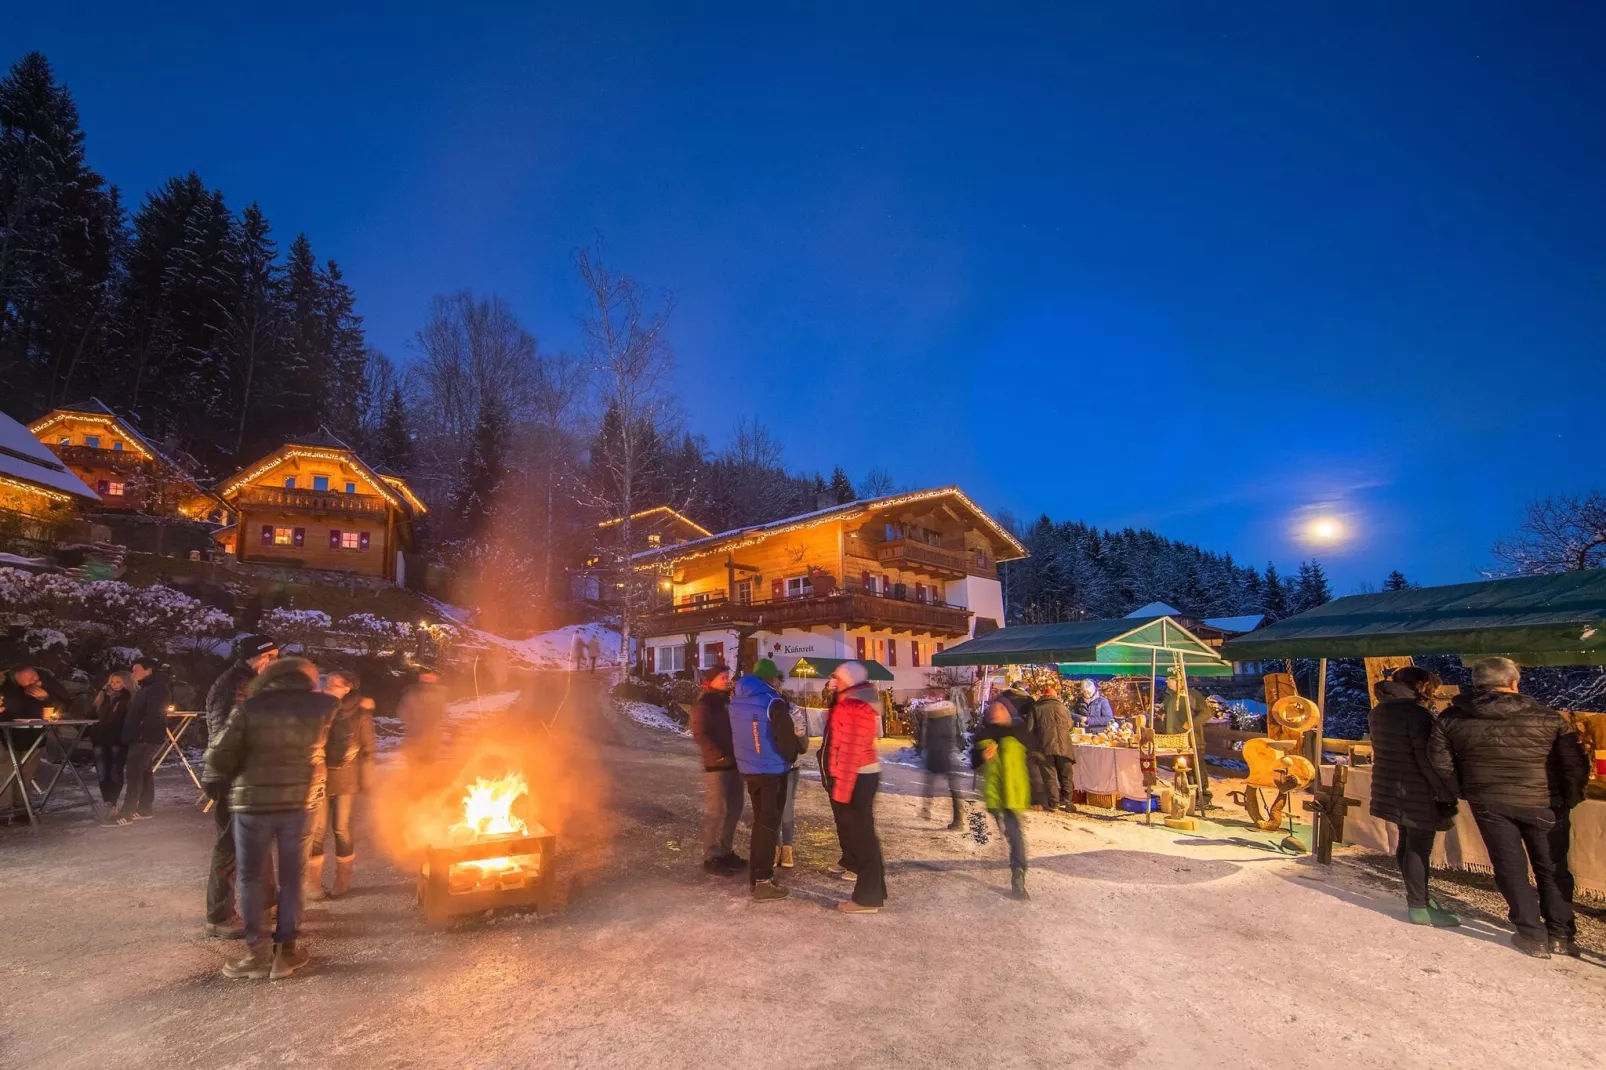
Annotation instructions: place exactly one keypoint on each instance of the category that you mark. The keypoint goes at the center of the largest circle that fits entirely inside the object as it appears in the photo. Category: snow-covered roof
(1155, 609)
(25, 459)
(1237, 625)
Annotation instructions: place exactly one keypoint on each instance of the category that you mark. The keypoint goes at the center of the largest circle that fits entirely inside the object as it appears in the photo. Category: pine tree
(1275, 597)
(255, 330)
(1396, 581)
(1311, 589)
(484, 470)
(303, 381)
(394, 441)
(842, 487)
(346, 352)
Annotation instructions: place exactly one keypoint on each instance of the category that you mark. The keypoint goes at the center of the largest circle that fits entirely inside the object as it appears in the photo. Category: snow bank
(554, 650)
(649, 716)
(480, 705)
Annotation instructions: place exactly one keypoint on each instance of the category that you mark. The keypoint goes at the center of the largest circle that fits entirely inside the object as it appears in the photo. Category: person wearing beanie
(722, 781)
(765, 745)
(852, 772)
(1001, 756)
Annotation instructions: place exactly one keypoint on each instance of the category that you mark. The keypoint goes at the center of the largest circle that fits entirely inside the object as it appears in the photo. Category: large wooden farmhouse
(891, 580)
(313, 503)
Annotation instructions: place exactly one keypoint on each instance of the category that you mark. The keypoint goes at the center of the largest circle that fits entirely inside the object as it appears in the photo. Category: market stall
(1534, 620)
(1108, 764)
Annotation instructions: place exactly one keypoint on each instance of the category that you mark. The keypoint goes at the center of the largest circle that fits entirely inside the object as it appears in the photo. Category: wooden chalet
(36, 489)
(891, 580)
(313, 503)
(128, 472)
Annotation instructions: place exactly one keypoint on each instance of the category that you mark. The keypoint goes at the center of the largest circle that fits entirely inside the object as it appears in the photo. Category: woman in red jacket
(852, 772)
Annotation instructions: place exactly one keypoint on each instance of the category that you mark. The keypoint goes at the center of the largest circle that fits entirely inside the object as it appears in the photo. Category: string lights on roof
(30, 488)
(658, 509)
(110, 423)
(288, 452)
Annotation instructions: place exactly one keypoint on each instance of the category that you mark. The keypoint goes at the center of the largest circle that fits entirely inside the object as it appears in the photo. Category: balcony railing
(310, 501)
(851, 607)
(95, 457)
(922, 557)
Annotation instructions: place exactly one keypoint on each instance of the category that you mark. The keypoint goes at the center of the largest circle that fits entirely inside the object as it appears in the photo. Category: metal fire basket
(450, 885)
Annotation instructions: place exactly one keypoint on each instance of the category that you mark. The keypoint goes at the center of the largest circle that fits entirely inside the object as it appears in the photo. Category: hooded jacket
(352, 747)
(1405, 787)
(272, 748)
(762, 736)
(940, 737)
(1054, 728)
(1006, 781)
(711, 728)
(1100, 714)
(1506, 750)
(147, 711)
(225, 694)
(850, 735)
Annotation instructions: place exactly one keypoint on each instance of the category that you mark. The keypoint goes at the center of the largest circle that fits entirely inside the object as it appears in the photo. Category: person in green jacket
(999, 754)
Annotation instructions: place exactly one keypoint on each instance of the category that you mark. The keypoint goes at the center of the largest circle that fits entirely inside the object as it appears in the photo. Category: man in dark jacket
(1054, 752)
(1521, 768)
(253, 654)
(722, 781)
(25, 694)
(144, 731)
(765, 743)
(941, 739)
(271, 754)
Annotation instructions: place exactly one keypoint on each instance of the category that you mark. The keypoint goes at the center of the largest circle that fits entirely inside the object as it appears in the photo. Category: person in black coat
(724, 795)
(111, 754)
(1521, 768)
(941, 742)
(1405, 787)
(144, 730)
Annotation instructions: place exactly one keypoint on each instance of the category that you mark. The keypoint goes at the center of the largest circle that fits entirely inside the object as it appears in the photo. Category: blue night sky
(1194, 266)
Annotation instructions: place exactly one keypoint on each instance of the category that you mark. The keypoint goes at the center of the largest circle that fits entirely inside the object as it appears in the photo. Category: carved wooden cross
(1328, 805)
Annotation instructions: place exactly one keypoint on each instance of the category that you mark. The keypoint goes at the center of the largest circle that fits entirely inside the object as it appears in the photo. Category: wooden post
(1321, 717)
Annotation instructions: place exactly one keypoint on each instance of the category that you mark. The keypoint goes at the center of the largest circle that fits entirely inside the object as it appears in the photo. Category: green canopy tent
(810, 668)
(1534, 620)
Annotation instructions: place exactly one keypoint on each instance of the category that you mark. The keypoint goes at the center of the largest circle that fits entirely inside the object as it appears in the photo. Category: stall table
(1114, 771)
(175, 745)
(18, 731)
(1462, 846)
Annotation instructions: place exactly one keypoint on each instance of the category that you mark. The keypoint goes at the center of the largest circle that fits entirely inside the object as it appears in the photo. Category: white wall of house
(983, 597)
(786, 647)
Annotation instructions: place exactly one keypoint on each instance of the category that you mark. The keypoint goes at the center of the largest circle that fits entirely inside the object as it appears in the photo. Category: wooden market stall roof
(1535, 620)
(1126, 644)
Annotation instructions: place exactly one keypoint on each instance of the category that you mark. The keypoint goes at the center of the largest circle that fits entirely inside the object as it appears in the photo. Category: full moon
(1325, 530)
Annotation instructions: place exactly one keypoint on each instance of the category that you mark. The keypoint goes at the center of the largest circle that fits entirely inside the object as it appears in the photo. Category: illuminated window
(114, 489)
(92, 441)
(655, 540)
(671, 659)
(284, 536)
(350, 540)
(351, 488)
(320, 482)
(290, 482)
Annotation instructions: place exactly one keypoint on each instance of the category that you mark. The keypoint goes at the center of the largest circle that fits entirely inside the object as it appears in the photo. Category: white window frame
(675, 653)
(798, 587)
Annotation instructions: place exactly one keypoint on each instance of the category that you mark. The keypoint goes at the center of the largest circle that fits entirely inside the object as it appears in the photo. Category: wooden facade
(130, 474)
(313, 503)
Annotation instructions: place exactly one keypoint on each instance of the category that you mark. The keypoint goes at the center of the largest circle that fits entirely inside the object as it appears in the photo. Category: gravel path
(1140, 947)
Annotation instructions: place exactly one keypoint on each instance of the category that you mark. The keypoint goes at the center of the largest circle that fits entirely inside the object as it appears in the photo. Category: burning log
(494, 860)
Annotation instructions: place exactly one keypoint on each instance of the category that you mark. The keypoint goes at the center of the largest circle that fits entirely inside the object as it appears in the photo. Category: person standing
(941, 741)
(1054, 749)
(271, 754)
(144, 729)
(722, 781)
(1001, 754)
(349, 762)
(593, 651)
(853, 774)
(1406, 789)
(765, 746)
(577, 651)
(1100, 714)
(1521, 768)
(422, 711)
(785, 857)
(111, 753)
(253, 654)
(25, 693)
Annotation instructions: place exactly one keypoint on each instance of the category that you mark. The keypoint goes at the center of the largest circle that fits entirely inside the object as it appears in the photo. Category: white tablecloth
(1462, 847)
(1110, 770)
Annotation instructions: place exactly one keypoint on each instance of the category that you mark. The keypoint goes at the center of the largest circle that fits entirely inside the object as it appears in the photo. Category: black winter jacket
(1502, 749)
(352, 748)
(1405, 788)
(711, 728)
(226, 693)
(941, 740)
(1054, 728)
(272, 749)
(111, 710)
(147, 711)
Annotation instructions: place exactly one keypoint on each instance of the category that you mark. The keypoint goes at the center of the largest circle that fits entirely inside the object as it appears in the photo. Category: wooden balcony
(857, 609)
(93, 457)
(301, 500)
(923, 558)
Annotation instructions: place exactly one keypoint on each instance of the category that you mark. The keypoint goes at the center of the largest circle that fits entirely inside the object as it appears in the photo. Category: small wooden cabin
(127, 470)
(313, 503)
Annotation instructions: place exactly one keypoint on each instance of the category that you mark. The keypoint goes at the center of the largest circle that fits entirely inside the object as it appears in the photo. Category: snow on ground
(554, 650)
(649, 716)
(480, 705)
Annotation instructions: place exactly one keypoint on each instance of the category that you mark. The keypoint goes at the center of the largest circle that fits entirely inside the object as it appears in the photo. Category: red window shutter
(777, 588)
(939, 648)
(920, 592)
(103, 485)
(892, 653)
(267, 534)
(914, 653)
(865, 580)
(362, 540)
(651, 651)
(300, 537)
(334, 538)
(859, 647)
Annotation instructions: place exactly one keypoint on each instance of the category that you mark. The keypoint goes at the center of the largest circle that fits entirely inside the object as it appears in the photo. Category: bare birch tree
(1562, 533)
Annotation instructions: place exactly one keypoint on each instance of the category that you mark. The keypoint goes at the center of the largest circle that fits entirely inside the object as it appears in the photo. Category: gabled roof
(658, 510)
(1126, 643)
(95, 407)
(849, 510)
(24, 459)
(1248, 622)
(1155, 609)
(323, 444)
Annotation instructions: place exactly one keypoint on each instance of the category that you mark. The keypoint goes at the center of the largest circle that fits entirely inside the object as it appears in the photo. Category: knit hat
(851, 673)
(250, 646)
(766, 670)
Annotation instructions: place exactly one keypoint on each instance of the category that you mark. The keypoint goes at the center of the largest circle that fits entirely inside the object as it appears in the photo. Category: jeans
(1009, 821)
(1561, 842)
(1412, 854)
(111, 767)
(768, 792)
(255, 837)
(861, 848)
(1516, 838)
(1058, 783)
(141, 795)
(722, 809)
(789, 809)
(333, 813)
(221, 906)
(932, 779)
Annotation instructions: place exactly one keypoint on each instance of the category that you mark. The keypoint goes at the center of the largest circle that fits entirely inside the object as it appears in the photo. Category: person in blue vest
(766, 746)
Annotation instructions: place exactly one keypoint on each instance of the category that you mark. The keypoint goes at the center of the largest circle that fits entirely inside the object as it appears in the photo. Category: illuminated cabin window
(655, 540)
(66, 440)
(114, 489)
(350, 540)
(284, 536)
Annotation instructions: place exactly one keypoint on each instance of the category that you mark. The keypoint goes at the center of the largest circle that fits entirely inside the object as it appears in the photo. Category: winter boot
(312, 880)
(785, 858)
(769, 891)
(1017, 884)
(1565, 945)
(958, 823)
(257, 963)
(287, 959)
(1534, 949)
(1420, 916)
(343, 869)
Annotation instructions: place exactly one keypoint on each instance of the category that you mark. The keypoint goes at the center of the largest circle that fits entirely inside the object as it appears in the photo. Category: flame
(488, 807)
